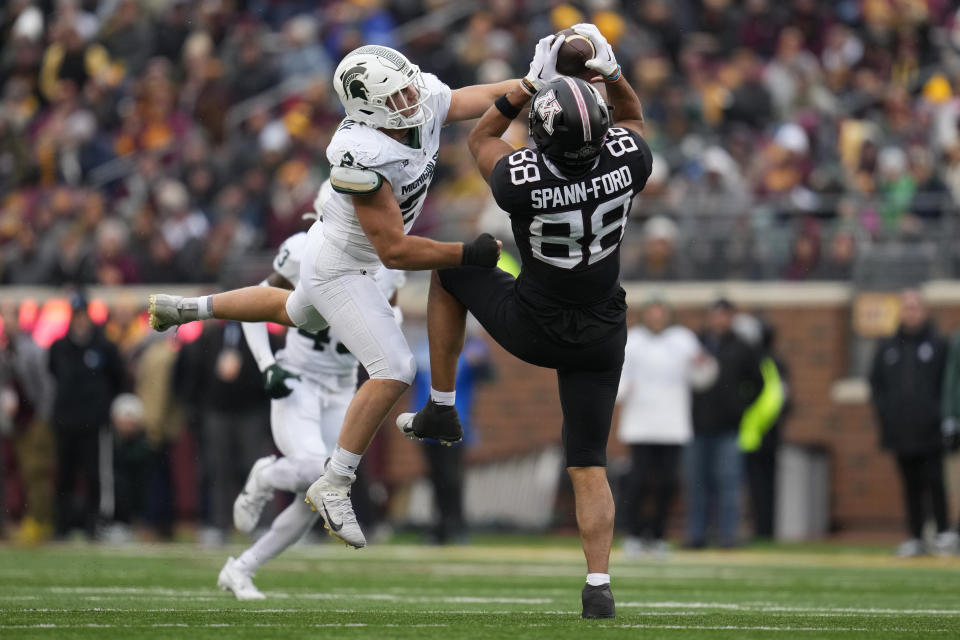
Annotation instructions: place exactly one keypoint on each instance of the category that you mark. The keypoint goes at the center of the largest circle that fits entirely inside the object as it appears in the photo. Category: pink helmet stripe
(581, 105)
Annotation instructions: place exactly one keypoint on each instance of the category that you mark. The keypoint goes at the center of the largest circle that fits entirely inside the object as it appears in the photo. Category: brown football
(574, 52)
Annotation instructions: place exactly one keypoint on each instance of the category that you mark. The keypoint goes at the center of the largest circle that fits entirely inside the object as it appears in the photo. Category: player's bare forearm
(471, 102)
(627, 111)
(380, 218)
(484, 140)
(414, 253)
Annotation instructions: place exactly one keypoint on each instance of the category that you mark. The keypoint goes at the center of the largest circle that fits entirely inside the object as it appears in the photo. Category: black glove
(482, 252)
(950, 430)
(274, 381)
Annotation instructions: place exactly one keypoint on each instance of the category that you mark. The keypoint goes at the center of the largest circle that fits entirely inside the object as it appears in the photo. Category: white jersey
(655, 386)
(409, 171)
(320, 355)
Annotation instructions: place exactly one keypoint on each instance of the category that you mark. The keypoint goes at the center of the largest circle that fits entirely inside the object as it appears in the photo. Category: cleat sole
(152, 312)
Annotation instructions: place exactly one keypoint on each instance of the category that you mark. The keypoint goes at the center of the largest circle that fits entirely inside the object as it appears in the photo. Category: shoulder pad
(354, 180)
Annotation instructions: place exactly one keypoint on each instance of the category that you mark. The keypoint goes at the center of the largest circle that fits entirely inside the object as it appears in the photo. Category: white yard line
(388, 597)
(214, 625)
(775, 608)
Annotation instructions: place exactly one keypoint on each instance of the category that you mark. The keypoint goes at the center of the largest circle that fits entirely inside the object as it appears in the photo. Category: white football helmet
(379, 87)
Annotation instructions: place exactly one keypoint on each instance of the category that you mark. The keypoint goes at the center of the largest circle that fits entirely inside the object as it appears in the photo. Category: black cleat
(598, 602)
(439, 422)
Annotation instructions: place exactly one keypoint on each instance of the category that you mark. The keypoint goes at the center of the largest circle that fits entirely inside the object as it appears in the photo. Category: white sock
(443, 397)
(205, 307)
(286, 529)
(345, 463)
(597, 579)
(289, 474)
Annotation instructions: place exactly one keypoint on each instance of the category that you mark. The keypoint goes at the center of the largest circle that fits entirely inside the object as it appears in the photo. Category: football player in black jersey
(568, 198)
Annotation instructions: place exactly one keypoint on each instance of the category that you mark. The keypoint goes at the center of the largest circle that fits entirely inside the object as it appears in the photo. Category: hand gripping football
(574, 53)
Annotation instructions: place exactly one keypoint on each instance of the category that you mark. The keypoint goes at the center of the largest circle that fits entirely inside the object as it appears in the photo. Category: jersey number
(557, 238)
(521, 171)
(620, 142)
(321, 339)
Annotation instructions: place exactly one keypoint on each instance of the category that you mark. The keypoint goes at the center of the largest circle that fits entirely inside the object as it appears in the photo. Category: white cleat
(330, 495)
(911, 548)
(169, 311)
(249, 504)
(946, 543)
(239, 583)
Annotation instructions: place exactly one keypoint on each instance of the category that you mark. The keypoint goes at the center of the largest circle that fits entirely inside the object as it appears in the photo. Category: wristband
(527, 86)
(508, 110)
(613, 77)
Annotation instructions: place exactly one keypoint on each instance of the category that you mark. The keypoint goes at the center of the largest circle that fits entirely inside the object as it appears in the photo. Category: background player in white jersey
(383, 158)
(311, 382)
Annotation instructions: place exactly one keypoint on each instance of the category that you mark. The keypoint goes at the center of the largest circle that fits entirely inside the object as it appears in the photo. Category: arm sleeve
(258, 339)
(440, 95)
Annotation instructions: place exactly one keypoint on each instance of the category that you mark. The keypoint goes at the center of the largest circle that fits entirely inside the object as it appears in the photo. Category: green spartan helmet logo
(353, 85)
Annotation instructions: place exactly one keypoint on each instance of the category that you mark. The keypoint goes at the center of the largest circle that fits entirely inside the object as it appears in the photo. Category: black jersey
(568, 232)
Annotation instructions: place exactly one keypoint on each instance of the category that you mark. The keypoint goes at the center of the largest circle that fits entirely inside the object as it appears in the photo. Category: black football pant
(587, 375)
(922, 476)
(650, 487)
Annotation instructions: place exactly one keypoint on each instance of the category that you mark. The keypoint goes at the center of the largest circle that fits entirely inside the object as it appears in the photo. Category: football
(574, 53)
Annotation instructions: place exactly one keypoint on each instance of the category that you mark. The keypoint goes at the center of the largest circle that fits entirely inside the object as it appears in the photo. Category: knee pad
(303, 314)
(395, 366)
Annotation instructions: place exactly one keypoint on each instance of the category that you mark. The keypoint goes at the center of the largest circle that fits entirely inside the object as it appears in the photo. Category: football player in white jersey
(311, 382)
(383, 156)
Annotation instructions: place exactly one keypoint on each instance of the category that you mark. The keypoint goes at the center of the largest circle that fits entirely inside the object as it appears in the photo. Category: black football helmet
(569, 122)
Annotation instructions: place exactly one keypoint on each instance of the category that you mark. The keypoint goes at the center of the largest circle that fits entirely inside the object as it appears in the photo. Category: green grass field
(513, 589)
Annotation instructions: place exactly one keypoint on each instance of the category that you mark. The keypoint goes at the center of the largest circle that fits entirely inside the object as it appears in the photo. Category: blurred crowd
(169, 141)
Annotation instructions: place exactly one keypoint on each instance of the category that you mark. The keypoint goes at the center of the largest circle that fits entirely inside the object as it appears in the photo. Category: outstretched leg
(249, 304)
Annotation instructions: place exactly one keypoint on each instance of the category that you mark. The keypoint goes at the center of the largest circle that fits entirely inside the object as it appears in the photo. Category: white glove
(605, 63)
(543, 67)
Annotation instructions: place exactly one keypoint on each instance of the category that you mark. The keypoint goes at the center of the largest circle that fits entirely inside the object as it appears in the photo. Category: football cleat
(945, 543)
(438, 422)
(169, 311)
(911, 548)
(330, 496)
(239, 583)
(249, 504)
(597, 602)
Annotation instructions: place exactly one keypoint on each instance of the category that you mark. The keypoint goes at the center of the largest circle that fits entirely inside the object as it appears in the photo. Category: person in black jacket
(906, 380)
(713, 460)
(88, 373)
(223, 386)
